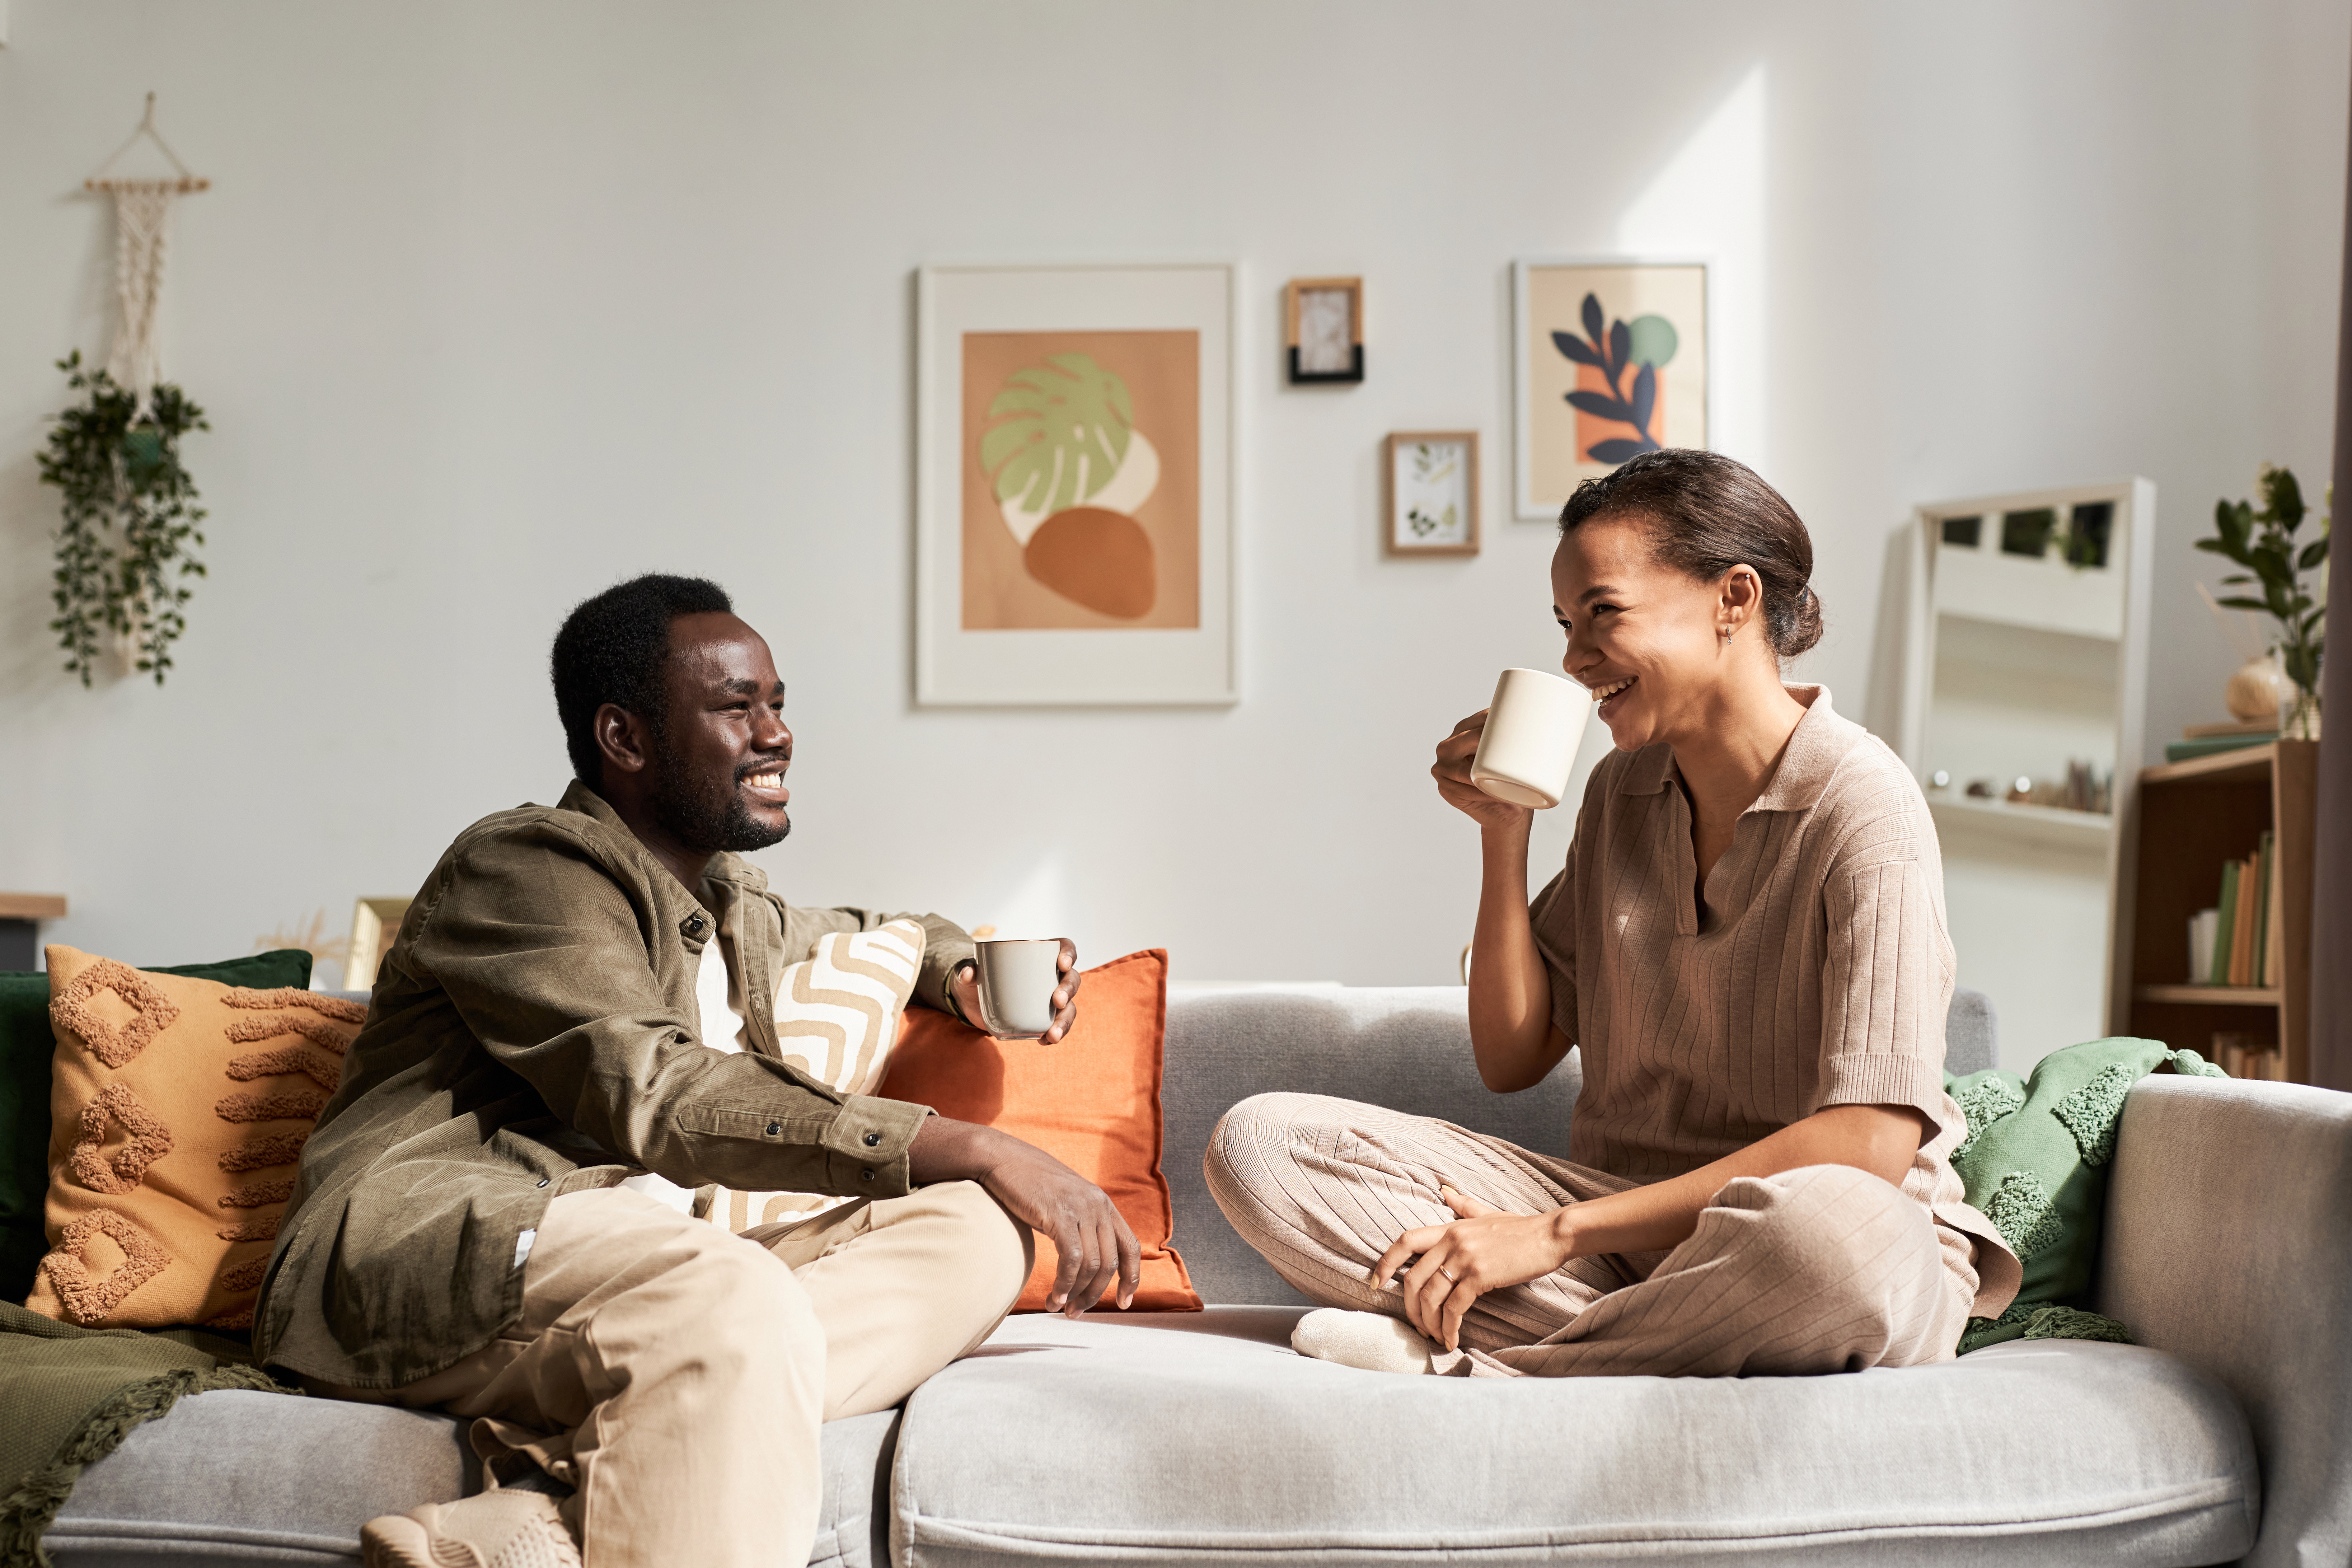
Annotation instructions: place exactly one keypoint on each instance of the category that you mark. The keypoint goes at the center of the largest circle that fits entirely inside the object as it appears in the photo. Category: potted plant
(130, 520)
(2264, 543)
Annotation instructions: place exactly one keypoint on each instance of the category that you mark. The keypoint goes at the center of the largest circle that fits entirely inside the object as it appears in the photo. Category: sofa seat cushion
(233, 1477)
(1202, 1438)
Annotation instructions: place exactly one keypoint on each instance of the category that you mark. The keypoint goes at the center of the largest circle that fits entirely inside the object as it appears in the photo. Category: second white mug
(1018, 977)
(1533, 728)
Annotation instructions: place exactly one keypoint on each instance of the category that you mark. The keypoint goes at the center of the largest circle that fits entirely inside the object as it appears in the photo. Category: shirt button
(775, 1127)
(874, 1140)
(866, 1175)
(543, 1181)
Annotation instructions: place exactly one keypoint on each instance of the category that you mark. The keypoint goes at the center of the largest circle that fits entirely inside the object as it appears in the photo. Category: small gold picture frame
(1323, 331)
(375, 923)
(1431, 480)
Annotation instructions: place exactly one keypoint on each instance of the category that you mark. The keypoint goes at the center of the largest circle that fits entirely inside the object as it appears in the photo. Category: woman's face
(1647, 636)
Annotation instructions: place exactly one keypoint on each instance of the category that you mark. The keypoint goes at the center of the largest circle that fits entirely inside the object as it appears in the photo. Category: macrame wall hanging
(131, 521)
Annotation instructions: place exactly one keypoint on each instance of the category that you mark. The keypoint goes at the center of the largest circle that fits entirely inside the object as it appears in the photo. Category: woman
(1747, 942)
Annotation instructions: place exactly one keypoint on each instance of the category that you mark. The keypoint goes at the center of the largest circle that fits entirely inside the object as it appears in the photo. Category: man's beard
(712, 819)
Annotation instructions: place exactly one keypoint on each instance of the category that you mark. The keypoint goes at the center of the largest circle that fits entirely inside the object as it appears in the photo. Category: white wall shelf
(2091, 831)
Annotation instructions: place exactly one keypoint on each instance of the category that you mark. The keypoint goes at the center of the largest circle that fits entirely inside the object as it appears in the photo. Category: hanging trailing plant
(130, 520)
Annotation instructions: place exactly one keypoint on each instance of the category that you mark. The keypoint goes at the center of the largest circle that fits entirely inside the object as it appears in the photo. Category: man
(459, 1234)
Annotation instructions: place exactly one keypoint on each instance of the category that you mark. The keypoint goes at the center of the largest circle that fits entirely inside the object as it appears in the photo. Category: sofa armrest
(2229, 1244)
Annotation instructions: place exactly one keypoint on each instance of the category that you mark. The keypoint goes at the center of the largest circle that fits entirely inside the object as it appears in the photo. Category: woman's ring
(1447, 1272)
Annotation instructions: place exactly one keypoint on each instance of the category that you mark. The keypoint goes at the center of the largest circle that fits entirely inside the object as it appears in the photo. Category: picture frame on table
(1430, 484)
(1323, 331)
(1074, 486)
(1610, 358)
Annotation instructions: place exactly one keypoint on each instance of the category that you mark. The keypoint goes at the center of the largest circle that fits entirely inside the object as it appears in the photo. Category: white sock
(1372, 1342)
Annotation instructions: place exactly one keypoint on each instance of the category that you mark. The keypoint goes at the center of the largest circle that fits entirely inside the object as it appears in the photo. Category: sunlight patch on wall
(1709, 202)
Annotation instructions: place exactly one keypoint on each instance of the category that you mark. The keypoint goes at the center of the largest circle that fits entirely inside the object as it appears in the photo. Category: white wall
(494, 303)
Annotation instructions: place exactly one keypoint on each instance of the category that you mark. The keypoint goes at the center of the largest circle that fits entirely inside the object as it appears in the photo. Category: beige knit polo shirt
(1816, 972)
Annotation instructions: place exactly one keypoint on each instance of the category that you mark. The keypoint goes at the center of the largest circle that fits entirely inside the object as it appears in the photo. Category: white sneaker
(1374, 1341)
(503, 1529)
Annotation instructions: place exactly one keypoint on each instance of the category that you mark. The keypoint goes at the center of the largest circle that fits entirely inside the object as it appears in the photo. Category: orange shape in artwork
(1102, 559)
(115, 1045)
(123, 1171)
(89, 1299)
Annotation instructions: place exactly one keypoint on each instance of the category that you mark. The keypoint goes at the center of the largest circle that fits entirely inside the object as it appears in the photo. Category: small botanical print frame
(1431, 484)
(1609, 358)
(1323, 331)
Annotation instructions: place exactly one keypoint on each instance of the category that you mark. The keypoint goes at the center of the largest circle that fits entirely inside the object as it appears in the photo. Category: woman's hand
(1485, 1249)
(1452, 772)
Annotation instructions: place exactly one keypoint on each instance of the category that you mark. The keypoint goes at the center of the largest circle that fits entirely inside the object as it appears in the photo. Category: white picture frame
(994, 622)
(1545, 464)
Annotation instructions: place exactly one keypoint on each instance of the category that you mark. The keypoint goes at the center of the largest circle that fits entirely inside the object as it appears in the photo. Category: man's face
(721, 748)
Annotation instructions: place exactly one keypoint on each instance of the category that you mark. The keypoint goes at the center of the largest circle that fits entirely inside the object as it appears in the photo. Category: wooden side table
(21, 915)
(2192, 816)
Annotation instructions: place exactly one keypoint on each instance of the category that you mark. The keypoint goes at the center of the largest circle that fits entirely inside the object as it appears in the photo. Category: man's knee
(999, 1248)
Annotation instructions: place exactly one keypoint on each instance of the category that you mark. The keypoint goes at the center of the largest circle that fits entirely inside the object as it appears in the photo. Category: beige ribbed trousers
(1826, 1269)
(678, 1375)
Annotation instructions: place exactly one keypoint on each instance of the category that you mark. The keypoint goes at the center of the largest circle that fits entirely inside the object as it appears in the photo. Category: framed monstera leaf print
(1611, 360)
(1073, 485)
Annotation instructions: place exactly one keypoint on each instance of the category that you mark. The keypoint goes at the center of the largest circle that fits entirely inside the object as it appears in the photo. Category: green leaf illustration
(1655, 341)
(1065, 433)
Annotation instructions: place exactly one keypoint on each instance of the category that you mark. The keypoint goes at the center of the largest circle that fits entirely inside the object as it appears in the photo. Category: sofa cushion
(232, 1477)
(1203, 1438)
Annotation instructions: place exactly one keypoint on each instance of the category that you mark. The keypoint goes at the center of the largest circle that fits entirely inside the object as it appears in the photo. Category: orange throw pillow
(1092, 1102)
(177, 1110)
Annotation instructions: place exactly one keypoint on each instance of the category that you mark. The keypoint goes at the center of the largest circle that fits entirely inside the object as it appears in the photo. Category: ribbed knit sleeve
(1886, 980)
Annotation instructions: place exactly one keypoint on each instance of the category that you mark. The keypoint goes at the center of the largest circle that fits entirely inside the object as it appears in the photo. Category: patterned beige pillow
(837, 1020)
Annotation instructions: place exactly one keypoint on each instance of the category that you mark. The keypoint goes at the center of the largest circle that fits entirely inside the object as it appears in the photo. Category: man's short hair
(611, 649)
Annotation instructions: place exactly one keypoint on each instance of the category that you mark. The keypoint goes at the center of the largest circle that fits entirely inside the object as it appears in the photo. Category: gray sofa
(2226, 1434)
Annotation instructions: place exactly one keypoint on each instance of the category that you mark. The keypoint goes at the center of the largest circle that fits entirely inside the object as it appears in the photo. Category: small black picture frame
(1323, 331)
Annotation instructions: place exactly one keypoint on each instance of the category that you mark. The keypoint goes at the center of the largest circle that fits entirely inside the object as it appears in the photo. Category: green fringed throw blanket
(71, 1395)
(2035, 1163)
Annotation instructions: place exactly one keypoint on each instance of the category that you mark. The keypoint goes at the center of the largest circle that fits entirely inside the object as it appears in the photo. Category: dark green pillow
(2035, 1163)
(26, 1047)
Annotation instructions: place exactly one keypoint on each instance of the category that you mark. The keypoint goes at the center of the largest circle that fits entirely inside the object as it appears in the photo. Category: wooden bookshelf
(2186, 820)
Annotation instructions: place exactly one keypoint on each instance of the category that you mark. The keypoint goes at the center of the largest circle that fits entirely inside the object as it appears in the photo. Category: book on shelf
(2222, 948)
(2259, 947)
(2260, 729)
(2209, 745)
(2275, 919)
(2238, 943)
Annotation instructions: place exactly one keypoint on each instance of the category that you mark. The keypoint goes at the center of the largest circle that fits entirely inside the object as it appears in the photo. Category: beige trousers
(677, 1375)
(1826, 1269)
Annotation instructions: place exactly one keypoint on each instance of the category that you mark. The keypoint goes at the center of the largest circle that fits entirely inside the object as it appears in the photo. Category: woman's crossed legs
(1825, 1268)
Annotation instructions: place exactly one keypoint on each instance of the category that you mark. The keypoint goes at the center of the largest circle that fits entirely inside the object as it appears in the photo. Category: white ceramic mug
(1018, 977)
(1532, 730)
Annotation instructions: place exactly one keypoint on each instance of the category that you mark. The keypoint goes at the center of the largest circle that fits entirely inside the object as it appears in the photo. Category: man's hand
(966, 987)
(1485, 1250)
(1096, 1249)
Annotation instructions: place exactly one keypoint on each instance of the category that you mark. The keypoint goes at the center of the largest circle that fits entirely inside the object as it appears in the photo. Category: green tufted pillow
(2035, 1163)
(26, 1046)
